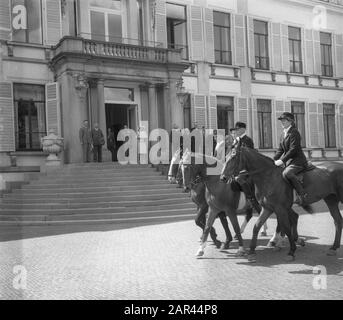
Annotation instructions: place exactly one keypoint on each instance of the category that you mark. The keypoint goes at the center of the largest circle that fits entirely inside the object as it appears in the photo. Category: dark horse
(276, 194)
(219, 196)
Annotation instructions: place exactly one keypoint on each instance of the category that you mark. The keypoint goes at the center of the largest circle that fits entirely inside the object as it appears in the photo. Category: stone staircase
(96, 193)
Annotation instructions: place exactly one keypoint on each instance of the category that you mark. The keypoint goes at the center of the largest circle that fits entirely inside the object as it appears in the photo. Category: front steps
(96, 193)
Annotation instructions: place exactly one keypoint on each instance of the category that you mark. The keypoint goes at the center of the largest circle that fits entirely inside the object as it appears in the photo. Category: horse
(197, 193)
(219, 196)
(322, 182)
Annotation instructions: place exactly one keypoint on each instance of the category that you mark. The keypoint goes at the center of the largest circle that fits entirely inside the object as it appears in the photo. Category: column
(167, 108)
(153, 115)
(101, 105)
(175, 106)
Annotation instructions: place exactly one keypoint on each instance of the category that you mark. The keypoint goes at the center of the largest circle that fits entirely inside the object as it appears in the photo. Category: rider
(291, 155)
(242, 140)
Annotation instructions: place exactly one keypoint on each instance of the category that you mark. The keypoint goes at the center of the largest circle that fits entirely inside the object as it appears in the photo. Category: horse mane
(259, 155)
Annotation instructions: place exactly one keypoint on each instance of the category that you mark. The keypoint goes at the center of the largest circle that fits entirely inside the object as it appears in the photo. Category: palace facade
(214, 62)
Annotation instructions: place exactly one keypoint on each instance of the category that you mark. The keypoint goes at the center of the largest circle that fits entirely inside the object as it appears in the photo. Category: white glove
(279, 163)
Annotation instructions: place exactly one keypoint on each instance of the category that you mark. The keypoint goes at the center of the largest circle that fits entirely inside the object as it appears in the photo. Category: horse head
(193, 171)
(233, 165)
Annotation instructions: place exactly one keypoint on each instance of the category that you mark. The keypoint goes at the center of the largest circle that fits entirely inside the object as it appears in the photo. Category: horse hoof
(301, 242)
(331, 253)
(271, 244)
(200, 253)
(290, 258)
(252, 257)
(218, 244)
(240, 253)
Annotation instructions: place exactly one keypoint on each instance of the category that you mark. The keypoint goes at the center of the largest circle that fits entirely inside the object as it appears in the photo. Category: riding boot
(302, 195)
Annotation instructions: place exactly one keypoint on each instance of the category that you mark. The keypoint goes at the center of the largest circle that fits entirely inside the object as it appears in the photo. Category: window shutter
(321, 138)
(7, 133)
(340, 123)
(209, 35)
(239, 36)
(308, 52)
(285, 48)
(313, 124)
(197, 34)
(279, 109)
(338, 42)
(254, 122)
(276, 45)
(288, 106)
(53, 116)
(161, 23)
(53, 22)
(317, 53)
(199, 109)
(212, 112)
(251, 43)
(243, 112)
(5, 20)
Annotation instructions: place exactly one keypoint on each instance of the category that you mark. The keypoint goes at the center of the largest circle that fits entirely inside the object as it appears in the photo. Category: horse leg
(248, 216)
(200, 221)
(264, 215)
(234, 221)
(332, 203)
(286, 227)
(293, 218)
(225, 225)
(212, 214)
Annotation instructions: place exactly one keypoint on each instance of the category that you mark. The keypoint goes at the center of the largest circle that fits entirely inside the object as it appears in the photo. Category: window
(225, 113)
(329, 125)
(33, 32)
(140, 24)
(294, 35)
(222, 38)
(261, 45)
(177, 28)
(106, 20)
(326, 54)
(29, 105)
(298, 109)
(187, 121)
(264, 114)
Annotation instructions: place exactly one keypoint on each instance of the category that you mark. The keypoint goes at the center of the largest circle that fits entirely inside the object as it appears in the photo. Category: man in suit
(242, 140)
(86, 141)
(290, 155)
(98, 140)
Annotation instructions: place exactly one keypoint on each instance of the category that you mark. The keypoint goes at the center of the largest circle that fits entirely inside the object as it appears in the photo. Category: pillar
(167, 108)
(175, 106)
(153, 111)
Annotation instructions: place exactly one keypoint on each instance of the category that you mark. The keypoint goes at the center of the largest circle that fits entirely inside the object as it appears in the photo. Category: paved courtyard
(158, 262)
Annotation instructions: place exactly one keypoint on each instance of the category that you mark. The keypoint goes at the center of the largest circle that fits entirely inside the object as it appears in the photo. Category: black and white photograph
(181, 151)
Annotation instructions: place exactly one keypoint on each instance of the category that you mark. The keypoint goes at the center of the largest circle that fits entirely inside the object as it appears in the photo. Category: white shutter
(279, 109)
(308, 59)
(276, 45)
(209, 35)
(5, 20)
(199, 109)
(239, 40)
(340, 123)
(243, 112)
(197, 38)
(254, 122)
(53, 112)
(7, 133)
(251, 42)
(161, 23)
(338, 43)
(321, 137)
(212, 112)
(317, 53)
(313, 124)
(53, 24)
(285, 48)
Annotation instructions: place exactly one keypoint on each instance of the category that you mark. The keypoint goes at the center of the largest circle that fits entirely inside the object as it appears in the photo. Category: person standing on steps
(86, 141)
(111, 143)
(98, 141)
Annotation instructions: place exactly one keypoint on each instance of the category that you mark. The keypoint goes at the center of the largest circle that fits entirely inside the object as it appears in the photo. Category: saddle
(309, 167)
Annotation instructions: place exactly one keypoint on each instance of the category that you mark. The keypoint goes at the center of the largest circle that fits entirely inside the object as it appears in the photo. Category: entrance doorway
(120, 115)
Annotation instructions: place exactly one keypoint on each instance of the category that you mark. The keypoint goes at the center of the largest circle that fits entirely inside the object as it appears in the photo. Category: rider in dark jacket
(291, 155)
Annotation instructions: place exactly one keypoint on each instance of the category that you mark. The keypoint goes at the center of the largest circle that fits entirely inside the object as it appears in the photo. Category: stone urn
(52, 144)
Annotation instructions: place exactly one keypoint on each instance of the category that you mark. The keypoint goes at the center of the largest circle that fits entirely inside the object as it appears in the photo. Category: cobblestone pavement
(158, 262)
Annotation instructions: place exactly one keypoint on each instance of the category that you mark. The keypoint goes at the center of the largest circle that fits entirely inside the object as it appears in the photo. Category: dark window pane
(294, 33)
(260, 27)
(98, 26)
(225, 113)
(264, 123)
(298, 109)
(325, 38)
(176, 11)
(221, 19)
(114, 28)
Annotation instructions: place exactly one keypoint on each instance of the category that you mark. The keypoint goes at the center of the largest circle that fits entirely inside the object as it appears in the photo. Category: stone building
(214, 62)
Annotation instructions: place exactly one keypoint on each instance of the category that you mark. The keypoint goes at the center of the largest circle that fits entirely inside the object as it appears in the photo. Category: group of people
(289, 156)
